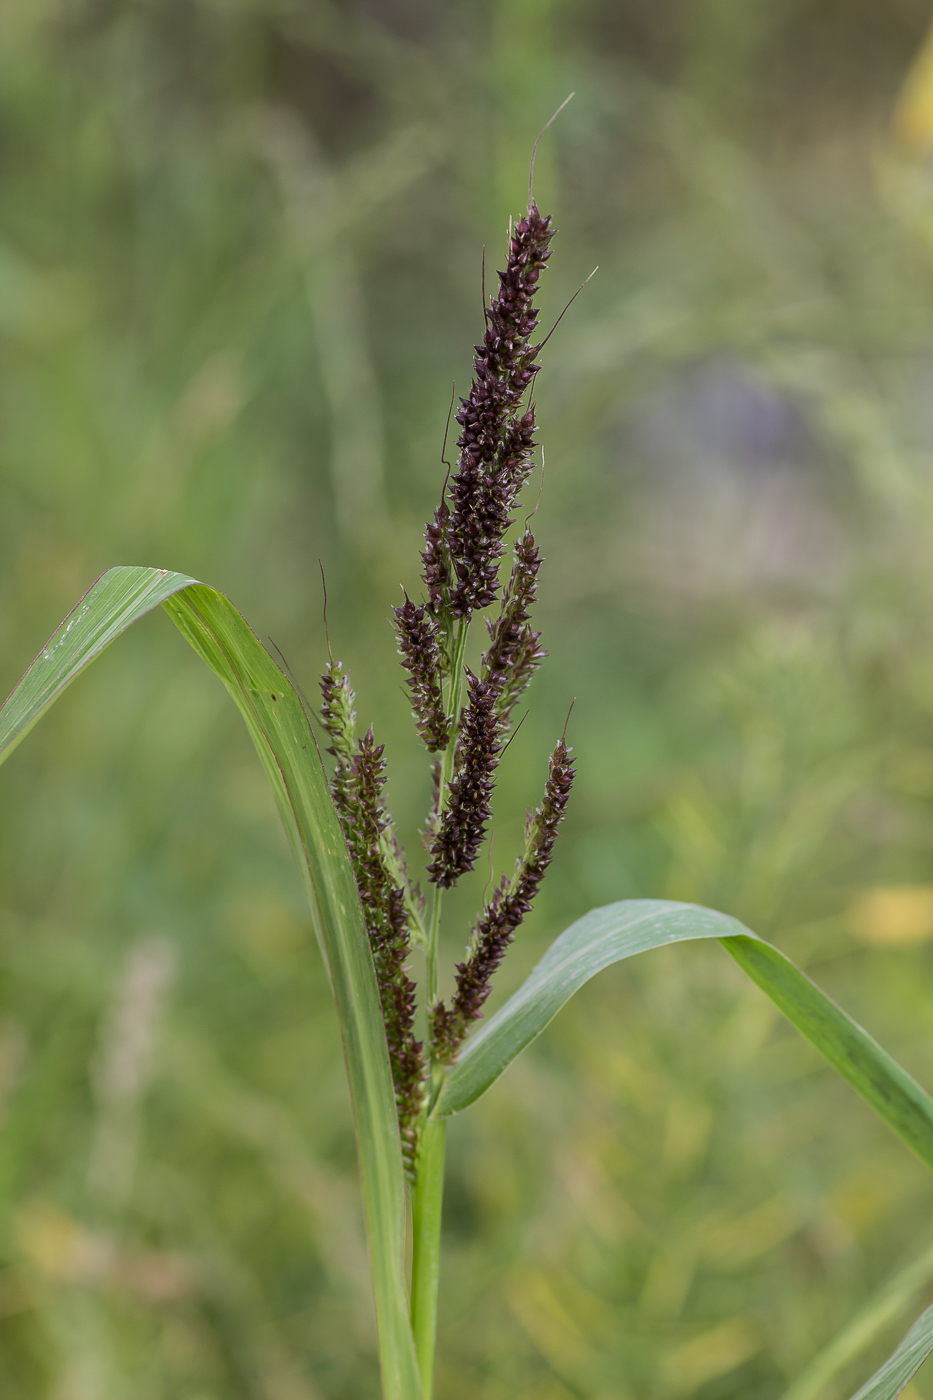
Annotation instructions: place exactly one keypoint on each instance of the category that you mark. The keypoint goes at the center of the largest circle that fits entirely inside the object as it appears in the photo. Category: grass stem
(427, 1204)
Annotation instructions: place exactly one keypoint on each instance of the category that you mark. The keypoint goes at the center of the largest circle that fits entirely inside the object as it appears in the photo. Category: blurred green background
(240, 252)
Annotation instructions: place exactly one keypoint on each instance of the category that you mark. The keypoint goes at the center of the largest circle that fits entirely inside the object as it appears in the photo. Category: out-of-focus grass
(239, 267)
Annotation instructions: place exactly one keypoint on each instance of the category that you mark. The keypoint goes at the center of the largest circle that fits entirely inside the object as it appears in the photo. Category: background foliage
(239, 268)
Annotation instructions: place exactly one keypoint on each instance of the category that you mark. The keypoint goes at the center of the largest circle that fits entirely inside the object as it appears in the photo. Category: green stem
(427, 1201)
(428, 1191)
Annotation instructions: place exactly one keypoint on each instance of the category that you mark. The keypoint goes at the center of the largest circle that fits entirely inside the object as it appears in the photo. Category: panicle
(461, 560)
(514, 652)
(462, 825)
(510, 902)
(423, 659)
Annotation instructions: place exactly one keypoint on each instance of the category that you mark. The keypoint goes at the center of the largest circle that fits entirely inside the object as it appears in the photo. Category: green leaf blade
(602, 937)
(286, 747)
(118, 599)
(618, 931)
(871, 1071)
(891, 1378)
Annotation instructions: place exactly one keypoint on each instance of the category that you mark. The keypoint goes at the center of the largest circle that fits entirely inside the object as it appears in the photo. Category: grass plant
(370, 916)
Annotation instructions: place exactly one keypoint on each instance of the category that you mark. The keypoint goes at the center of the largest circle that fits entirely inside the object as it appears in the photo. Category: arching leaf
(618, 931)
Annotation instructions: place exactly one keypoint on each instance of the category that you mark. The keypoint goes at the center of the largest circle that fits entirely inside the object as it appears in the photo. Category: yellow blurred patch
(545, 1320)
(670, 1275)
(713, 1354)
(64, 1251)
(860, 1200)
(58, 1246)
(912, 122)
(267, 930)
(735, 1242)
(687, 1133)
(893, 915)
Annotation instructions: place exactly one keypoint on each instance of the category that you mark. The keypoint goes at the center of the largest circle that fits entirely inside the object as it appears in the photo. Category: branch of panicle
(436, 562)
(504, 912)
(463, 543)
(337, 713)
(421, 657)
(358, 786)
(514, 652)
(496, 440)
